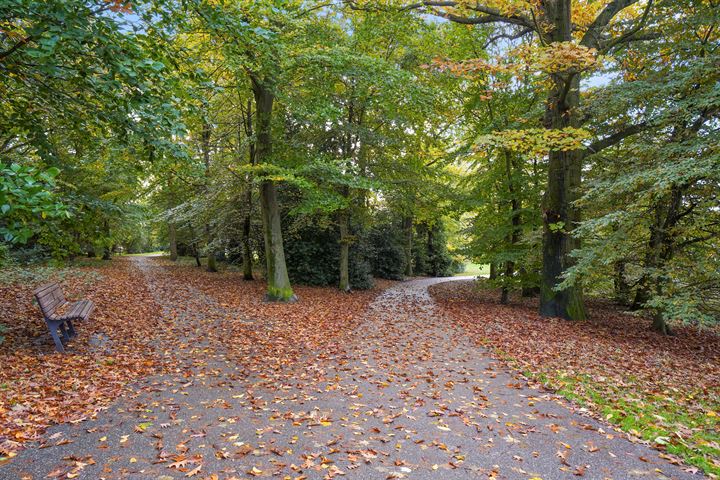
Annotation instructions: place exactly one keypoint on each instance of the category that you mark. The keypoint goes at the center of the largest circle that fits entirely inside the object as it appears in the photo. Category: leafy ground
(129, 337)
(38, 388)
(665, 390)
(187, 374)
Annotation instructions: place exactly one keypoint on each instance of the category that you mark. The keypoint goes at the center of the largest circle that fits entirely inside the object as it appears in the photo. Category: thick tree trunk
(212, 261)
(279, 288)
(278, 282)
(493, 271)
(560, 214)
(407, 224)
(345, 240)
(172, 237)
(660, 325)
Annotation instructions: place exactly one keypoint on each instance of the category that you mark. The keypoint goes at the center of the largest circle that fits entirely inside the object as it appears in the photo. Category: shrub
(387, 256)
(313, 255)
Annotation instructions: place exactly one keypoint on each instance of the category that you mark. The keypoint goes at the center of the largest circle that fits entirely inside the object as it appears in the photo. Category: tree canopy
(572, 146)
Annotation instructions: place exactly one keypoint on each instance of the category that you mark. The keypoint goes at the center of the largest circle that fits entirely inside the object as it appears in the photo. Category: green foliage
(388, 256)
(440, 263)
(652, 223)
(26, 200)
(313, 256)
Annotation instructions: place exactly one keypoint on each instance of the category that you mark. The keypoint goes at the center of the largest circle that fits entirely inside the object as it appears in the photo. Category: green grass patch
(37, 274)
(666, 421)
(475, 269)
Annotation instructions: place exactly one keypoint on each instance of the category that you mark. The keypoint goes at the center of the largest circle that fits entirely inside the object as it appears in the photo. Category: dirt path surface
(404, 395)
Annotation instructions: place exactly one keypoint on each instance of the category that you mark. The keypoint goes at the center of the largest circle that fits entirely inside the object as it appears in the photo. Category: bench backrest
(49, 297)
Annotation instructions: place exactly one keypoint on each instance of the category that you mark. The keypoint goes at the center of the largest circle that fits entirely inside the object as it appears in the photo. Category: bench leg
(71, 329)
(64, 332)
(54, 334)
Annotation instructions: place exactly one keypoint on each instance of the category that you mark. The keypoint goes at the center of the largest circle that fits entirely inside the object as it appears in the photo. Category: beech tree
(570, 38)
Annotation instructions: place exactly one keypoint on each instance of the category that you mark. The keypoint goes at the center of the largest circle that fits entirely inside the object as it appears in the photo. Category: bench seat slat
(43, 288)
(79, 309)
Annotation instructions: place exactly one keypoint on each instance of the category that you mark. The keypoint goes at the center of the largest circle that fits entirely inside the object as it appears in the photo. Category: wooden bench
(52, 302)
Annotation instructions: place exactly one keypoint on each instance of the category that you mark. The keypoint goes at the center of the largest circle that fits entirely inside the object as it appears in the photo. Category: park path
(406, 395)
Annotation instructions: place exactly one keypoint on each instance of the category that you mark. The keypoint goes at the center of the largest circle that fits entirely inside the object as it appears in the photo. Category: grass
(474, 269)
(655, 418)
(34, 274)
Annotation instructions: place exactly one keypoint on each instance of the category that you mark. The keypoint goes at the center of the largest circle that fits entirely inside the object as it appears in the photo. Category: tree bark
(661, 248)
(560, 215)
(172, 237)
(205, 139)
(247, 221)
(278, 282)
(246, 248)
(345, 240)
(515, 221)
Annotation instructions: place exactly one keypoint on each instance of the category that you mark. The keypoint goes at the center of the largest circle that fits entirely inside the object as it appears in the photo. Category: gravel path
(406, 395)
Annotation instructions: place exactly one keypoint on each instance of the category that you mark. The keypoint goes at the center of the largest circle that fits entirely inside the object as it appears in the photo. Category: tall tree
(570, 36)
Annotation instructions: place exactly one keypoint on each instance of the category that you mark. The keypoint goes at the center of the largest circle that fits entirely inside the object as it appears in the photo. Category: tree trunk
(560, 214)
(505, 291)
(278, 282)
(431, 251)
(407, 224)
(247, 221)
(661, 248)
(211, 261)
(515, 223)
(620, 286)
(205, 138)
(172, 237)
(246, 248)
(493, 271)
(345, 241)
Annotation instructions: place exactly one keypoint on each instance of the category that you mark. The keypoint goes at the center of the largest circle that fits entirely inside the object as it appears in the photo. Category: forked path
(405, 395)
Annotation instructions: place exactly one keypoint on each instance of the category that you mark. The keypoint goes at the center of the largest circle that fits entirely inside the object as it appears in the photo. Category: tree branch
(617, 137)
(593, 35)
(627, 36)
(489, 15)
